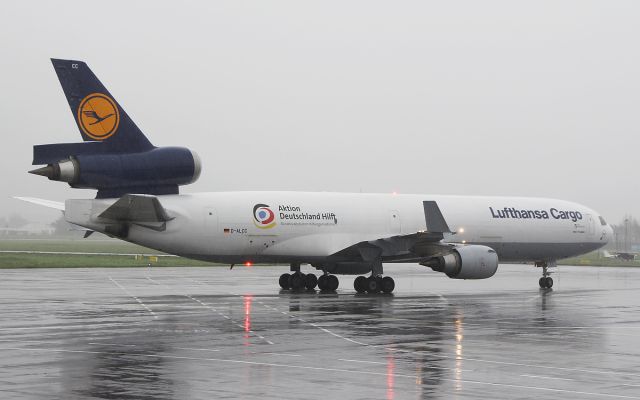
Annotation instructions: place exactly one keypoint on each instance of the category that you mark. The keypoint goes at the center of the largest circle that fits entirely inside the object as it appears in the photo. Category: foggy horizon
(496, 98)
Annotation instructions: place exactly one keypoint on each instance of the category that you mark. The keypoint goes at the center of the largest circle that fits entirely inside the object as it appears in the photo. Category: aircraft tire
(359, 284)
(543, 283)
(373, 284)
(322, 282)
(284, 281)
(332, 283)
(296, 281)
(310, 281)
(388, 284)
(549, 282)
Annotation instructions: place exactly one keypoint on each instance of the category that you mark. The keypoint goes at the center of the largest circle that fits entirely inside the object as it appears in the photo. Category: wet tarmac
(203, 333)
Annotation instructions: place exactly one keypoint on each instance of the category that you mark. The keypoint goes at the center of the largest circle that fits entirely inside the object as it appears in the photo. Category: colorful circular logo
(263, 217)
(98, 116)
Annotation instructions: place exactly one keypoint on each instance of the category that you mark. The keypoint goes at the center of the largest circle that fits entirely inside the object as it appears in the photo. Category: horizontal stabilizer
(42, 202)
(136, 208)
(53, 153)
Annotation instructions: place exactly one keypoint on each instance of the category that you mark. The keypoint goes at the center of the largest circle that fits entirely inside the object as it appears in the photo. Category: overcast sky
(536, 98)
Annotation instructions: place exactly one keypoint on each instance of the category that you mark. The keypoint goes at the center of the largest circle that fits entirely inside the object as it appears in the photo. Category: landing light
(461, 230)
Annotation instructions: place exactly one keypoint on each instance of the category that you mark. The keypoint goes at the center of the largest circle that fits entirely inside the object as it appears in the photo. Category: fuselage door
(590, 226)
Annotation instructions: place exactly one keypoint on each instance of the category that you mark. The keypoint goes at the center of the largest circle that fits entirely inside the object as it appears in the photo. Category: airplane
(138, 200)
(620, 255)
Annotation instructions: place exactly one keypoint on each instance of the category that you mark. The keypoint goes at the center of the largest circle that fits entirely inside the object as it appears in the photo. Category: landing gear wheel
(546, 282)
(310, 281)
(332, 283)
(284, 281)
(296, 281)
(373, 284)
(388, 284)
(549, 282)
(322, 282)
(360, 284)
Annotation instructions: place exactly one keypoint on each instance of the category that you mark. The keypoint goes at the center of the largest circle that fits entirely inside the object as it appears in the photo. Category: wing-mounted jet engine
(466, 262)
(115, 158)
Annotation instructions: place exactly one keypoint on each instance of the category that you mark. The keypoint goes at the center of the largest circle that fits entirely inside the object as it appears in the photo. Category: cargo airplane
(138, 200)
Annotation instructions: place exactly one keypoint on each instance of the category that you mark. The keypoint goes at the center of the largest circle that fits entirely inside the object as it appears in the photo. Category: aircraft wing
(410, 247)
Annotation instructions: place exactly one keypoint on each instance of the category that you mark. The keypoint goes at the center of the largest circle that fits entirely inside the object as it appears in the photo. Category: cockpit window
(602, 221)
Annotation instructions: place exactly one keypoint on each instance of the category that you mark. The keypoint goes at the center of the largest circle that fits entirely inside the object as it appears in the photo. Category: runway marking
(362, 361)
(547, 377)
(113, 344)
(75, 326)
(30, 341)
(282, 354)
(424, 366)
(250, 331)
(134, 297)
(312, 324)
(339, 370)
(190, 348)
(592, 371)
(81, 253)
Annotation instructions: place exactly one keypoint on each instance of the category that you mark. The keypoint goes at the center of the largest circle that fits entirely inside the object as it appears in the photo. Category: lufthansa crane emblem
(98, 116)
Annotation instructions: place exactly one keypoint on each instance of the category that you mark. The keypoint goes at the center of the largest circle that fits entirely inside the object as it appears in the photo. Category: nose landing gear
(546, 282)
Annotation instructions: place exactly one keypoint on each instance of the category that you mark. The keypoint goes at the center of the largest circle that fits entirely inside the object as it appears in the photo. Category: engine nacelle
(159, 171)
(466, 262)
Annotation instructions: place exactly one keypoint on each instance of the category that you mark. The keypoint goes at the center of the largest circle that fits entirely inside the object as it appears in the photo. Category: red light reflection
(391, 366)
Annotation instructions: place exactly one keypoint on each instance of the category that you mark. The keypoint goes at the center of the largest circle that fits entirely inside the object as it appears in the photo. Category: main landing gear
(546, 282)
(374, 284)
(299, 281)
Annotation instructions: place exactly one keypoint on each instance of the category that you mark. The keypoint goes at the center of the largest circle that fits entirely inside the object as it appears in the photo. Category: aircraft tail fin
(98, 115)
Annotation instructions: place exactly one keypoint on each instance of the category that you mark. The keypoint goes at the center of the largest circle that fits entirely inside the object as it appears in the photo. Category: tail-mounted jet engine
(466, 262)
(157, 171)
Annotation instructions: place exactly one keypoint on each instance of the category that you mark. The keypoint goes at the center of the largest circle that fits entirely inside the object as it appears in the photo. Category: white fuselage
(304, 227)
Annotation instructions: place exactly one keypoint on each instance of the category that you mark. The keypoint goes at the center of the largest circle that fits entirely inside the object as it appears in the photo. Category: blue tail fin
(98, 115)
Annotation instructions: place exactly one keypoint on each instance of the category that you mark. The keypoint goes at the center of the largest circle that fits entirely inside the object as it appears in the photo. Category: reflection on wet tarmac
(211, 333)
